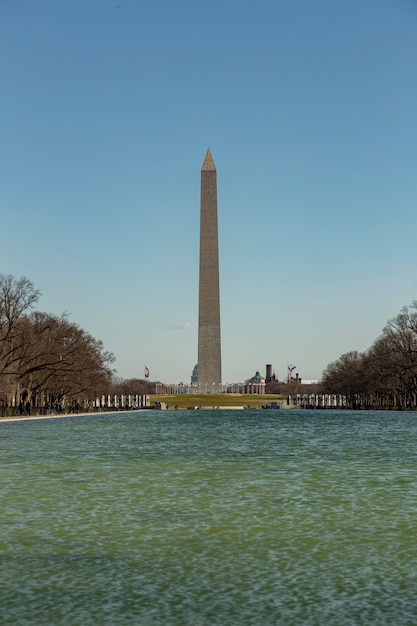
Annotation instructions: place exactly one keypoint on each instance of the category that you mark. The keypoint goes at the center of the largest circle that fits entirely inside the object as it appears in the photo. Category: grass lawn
(182, 401)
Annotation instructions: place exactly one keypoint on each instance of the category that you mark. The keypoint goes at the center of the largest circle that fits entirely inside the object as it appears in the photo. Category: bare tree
(386, 375)
(46, 356)
(346, 376)
(394, 359)
(62, 360)
(132, 386)
(17, 296)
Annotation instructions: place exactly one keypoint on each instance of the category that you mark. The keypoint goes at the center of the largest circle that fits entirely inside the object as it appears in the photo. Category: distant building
(256, 384)
(270, 375)
(194, 375)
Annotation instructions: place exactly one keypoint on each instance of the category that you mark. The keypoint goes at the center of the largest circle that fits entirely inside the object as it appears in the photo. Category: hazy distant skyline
(107, 111)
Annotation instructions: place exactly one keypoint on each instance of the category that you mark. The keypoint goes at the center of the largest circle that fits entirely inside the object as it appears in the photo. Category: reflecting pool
(208, 517)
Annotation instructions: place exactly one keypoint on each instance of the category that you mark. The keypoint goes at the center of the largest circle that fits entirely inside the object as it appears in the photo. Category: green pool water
(209, 517)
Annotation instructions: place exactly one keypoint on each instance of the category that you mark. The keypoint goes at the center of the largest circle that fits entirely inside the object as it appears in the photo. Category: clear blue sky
(310, 110)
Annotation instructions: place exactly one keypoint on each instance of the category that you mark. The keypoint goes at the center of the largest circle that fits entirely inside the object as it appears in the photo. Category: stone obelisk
(209, 345)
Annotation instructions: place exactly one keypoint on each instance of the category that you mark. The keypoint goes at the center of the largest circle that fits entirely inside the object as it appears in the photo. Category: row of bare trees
(45, 359)
(385, 376)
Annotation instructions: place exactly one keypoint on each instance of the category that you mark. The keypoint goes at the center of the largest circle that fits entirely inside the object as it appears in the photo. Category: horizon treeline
(46, 359)
(385, 375)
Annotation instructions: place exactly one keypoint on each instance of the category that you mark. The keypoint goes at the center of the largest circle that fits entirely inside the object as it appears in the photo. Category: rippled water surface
(205, 518)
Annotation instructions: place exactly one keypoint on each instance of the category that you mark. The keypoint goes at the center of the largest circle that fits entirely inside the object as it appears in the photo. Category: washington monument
(209, 347)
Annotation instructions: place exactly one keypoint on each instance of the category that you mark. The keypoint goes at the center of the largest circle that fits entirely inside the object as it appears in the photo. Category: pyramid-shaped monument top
(208, 162)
